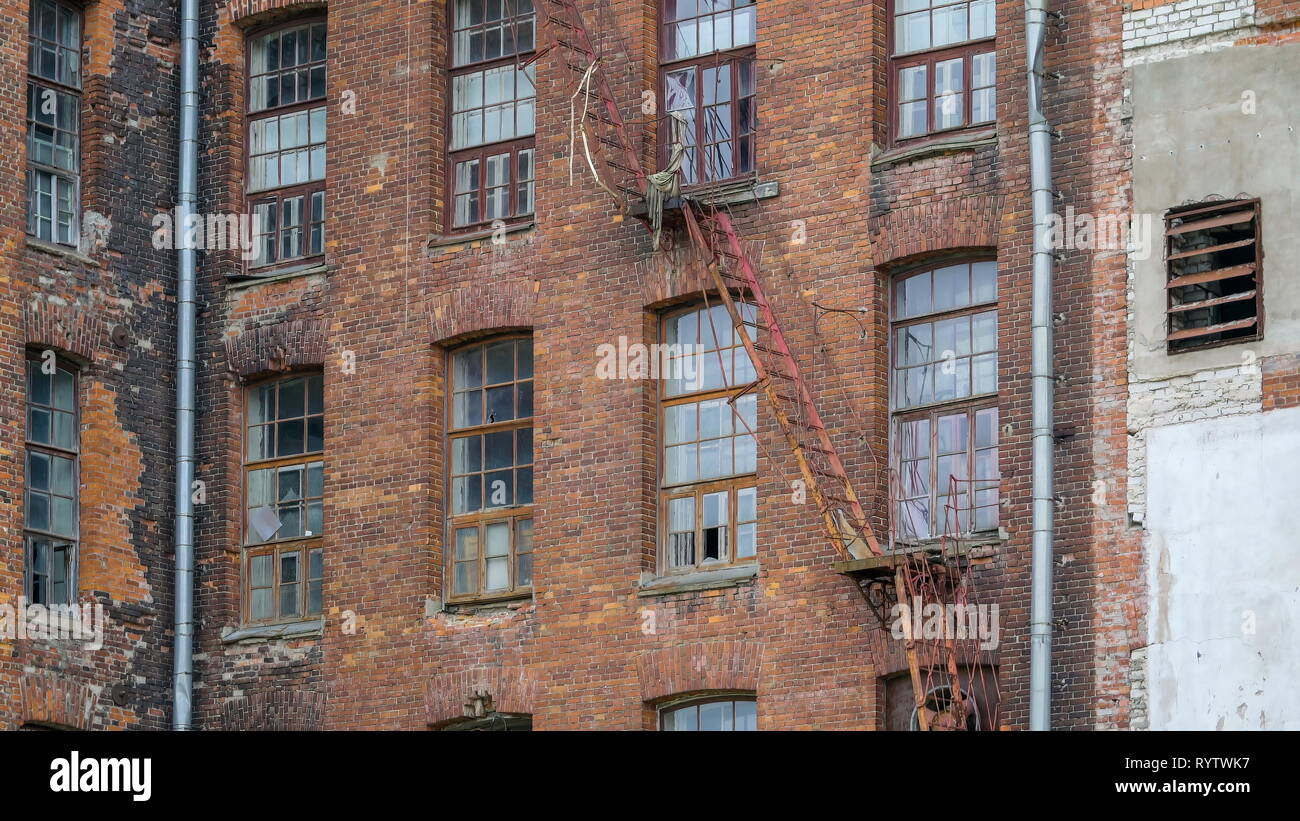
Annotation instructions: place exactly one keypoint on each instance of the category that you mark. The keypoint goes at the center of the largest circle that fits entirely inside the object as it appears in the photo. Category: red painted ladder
(714, 236)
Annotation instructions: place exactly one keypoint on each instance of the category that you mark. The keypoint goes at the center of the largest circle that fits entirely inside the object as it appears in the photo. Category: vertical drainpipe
(1040, 173)
(183, 649)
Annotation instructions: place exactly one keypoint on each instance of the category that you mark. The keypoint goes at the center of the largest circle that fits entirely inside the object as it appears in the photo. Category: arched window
(944, 397)
(284, 490)
(491, 470)
(709, 421)
(722, 713)
(285, 147)
(50, 520)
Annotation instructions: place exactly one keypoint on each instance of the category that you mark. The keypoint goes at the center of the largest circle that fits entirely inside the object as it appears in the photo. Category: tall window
(708, 498)
(50, 511)
(286, 142)
(729, 713)
(491, 442)
(945, 383)
(284, 489)
(54, 122)
(493, 111)
(942, 66)
(706, 55)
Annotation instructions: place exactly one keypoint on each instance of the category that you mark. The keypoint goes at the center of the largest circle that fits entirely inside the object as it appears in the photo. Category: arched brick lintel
(53, 700)
(689, 668)
(248, 12)
(964, 222)
(278, 710)
(460, 314)
(445, 695)
(670, 278)
(275, 348)
(66, 328)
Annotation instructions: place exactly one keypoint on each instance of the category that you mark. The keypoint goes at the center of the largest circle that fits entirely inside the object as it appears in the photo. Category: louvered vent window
(1214, 282)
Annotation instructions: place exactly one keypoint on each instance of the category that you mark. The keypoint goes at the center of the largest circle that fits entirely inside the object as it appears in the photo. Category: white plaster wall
(1223, 575)
(1159, 402)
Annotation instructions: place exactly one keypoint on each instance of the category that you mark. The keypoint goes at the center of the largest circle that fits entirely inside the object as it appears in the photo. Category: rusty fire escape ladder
(613, 148)
(714, 236)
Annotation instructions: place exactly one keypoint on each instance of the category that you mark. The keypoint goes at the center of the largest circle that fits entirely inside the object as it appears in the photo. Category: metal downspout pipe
(183, 648)
(1043, 380)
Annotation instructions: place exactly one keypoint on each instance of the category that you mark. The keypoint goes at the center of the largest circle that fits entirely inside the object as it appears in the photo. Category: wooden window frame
(733, 484)
(59, 176)
(966, 50)
(512, 145)
(280, 193)
(695, 703)
(1208, 210)
(731, 57)
(277, 548)
(971, 405)
(30, 535)
(481, 518)
(939, 487)
(481, 153)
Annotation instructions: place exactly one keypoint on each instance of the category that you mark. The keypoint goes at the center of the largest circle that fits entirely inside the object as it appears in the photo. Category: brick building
(423, 501)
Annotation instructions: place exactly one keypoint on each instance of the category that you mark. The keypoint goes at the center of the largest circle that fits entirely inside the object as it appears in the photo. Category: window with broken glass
(1214, 282)
(54, 122)
(942, 66)
(945, 413)
(728, 713)
(284, 489)
(286, 142)
(708, 498)
(491, 475)
(493, 108)
(708, 85)
(50, 520)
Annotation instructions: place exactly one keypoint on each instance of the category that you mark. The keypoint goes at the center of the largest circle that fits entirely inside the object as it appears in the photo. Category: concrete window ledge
(59, 250)
(737, 193)
(957, 142)
(734, 576)
(293, 630)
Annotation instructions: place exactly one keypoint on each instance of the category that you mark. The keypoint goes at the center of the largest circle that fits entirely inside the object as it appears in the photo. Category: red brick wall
(577, 655)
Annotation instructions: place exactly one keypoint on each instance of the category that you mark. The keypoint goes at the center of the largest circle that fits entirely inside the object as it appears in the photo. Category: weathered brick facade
(592, 648)
(108, 308)
(396, 296)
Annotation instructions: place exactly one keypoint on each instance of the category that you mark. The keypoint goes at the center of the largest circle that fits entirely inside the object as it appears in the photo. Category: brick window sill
(310, 628)
(439, 244)
(962, 141)
(59, 250)
(734, 576)
(250, 281)
(507, 601)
